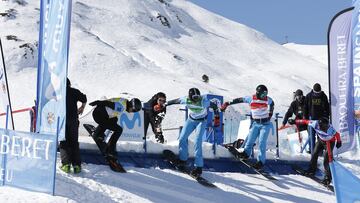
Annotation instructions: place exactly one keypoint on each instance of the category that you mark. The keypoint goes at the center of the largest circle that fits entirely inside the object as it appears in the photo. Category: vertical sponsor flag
(54, 37)
(4, 91)
(340, 78)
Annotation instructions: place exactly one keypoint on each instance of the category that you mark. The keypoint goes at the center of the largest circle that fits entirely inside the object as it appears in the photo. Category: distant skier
(316, 106)
(106, 115)
(154, 112)
(297, 107)
(198, 106)
(69, 148)
(326, 132)
(262, 108)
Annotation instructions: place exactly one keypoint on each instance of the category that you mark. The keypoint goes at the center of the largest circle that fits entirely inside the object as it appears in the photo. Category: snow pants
(262, 131)
(189, 127)
(69, 148)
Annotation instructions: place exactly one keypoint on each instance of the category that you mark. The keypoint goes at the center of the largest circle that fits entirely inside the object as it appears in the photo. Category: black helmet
(323, 123)
(261, 91)
(194, 94)
(161, 94)
(135, 105)
(317, 88)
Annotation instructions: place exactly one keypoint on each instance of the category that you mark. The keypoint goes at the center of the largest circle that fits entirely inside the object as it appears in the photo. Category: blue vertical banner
(54, 38)
(356, 59)
(341, 78)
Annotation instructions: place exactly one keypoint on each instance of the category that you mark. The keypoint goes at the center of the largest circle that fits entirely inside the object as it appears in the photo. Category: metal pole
(7, 85)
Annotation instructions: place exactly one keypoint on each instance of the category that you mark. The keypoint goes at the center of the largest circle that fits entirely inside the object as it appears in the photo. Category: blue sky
(302, 21)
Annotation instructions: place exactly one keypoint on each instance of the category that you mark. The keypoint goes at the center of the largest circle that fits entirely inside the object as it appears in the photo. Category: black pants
(154, 125)
(102, 118)
(69, 149)
(319, 147)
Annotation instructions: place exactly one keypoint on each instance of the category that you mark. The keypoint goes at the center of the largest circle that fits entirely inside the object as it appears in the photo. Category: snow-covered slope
(140, 47)
(316, 52)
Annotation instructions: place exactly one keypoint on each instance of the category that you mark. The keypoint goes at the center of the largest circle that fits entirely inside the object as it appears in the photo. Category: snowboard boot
(326, 180)
(159, 138)
(197, 171)
(243, 155)
(181, 165)
(65, 168)
(77, 169)
(258, 165)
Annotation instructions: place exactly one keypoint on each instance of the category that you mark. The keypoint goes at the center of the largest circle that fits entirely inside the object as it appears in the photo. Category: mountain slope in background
(140, 47)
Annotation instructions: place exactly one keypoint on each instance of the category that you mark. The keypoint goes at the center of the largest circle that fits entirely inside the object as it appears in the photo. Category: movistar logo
(130, 123)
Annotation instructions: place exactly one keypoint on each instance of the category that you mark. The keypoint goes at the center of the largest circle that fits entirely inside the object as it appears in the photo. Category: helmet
(194, 94)
(323, 123)
(317, 88)
(135, 105)
(261, 91)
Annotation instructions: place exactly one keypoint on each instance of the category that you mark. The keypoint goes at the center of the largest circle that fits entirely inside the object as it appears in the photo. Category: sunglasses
(161, 100)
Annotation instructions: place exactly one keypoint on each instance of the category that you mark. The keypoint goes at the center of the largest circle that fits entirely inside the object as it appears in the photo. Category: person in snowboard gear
(262, 108)
(106, 115)
(326, 133)
(296, 108)
(154, 113)
(316, 107)
(198, 106)
(69, 148)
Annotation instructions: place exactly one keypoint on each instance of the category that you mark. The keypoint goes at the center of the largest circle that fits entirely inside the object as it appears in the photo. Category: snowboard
(110, 159)
(236, 154)
(173, 160)
(301, 171)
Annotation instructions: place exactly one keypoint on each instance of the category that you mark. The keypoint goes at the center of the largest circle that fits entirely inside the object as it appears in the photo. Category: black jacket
(296, 108)
(149, 107)
(72, 97)
(316, 105)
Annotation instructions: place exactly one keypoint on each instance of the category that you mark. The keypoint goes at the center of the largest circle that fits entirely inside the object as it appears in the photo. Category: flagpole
(7, 85)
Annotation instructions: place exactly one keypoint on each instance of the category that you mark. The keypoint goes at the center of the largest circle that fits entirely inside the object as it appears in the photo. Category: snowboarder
(262, 108)
(198, 106)
(106, 115)
(69, 149)
(326, 132)
(316, 107)
(297, 108)
(154, 113)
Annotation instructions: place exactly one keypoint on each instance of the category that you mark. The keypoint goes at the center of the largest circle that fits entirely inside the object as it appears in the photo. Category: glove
(224, 106)
(291, 121)
(216, 120)
(158, 108)
(338, 144)
(95, 103)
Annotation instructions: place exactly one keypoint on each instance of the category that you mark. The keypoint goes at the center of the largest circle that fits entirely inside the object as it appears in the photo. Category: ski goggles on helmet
(161, 100)
(261, 94)
(196, 97)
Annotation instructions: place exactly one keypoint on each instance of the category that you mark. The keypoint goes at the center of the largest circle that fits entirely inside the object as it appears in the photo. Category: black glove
(338, 144)
(291, 121)
(95, 103)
